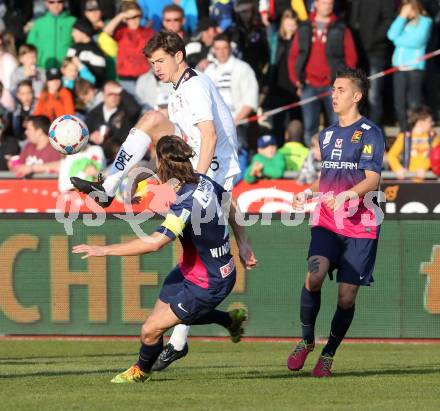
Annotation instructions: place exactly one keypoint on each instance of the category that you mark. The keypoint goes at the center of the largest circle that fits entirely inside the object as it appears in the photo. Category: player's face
(165, 66)
(344, 95)
(173, 21)
(55, 7)
(222, 51)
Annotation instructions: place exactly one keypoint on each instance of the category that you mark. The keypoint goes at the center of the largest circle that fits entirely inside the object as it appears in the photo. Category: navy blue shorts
(189, 301)
(354, 258)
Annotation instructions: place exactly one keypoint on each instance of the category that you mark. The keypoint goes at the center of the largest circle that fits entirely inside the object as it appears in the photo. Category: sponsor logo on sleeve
(227, 269)
(367, 152)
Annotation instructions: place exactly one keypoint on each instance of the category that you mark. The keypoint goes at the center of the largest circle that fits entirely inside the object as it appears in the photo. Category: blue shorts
(189, 301)
(354, 258)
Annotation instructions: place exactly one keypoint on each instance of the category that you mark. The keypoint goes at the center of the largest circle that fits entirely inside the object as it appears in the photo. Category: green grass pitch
(75, 375)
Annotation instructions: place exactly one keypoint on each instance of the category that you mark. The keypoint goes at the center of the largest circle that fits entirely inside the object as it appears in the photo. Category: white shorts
(218, 176)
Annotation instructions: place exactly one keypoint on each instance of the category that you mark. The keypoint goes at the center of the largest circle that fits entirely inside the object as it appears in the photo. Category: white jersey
(195, 99)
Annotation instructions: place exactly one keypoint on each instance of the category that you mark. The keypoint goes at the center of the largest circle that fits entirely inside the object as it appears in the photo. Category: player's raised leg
(149, 129)
(340, 324)
(318, 267)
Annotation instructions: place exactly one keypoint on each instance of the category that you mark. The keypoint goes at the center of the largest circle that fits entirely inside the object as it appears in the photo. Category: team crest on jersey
(356, 137)
(338, 143)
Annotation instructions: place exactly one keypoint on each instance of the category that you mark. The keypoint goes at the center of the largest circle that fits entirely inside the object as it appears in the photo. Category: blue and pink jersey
(197, 219)
(346, 152)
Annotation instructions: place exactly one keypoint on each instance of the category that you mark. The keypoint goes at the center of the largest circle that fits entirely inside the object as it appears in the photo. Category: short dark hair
(418, 113)
(40, 123)
(168, 41)
(83, 87)
(174, 157)
(26, 48)
(359, 78)
(24, 82)
(173, 7)
(222, 37)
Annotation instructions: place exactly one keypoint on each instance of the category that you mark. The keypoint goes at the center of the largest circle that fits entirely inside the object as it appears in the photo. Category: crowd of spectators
(85, 58)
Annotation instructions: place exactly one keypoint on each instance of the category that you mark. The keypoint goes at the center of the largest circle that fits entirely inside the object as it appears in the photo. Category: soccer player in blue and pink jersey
(346, 222)
(206, 274)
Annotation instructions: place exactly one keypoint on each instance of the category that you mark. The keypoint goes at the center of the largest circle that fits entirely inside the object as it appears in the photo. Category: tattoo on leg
(313, 265)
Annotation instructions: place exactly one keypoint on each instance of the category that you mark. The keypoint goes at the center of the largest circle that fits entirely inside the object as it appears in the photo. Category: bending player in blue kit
(206, 274)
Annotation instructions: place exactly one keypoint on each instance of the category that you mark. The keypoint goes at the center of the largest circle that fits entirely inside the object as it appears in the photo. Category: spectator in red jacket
(322, 46)
(126, 29)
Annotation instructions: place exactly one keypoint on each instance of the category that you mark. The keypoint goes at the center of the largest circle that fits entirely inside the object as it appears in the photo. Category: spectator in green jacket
(268, 163)
(51, 34)
(294, 151)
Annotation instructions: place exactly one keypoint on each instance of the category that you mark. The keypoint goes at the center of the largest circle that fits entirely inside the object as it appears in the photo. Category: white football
(68, 134)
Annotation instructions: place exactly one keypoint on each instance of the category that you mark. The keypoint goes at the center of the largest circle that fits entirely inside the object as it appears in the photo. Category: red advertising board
(268, 196)
(42, 196)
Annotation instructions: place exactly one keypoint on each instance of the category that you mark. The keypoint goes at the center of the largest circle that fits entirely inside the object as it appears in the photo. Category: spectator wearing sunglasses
(114, 117)
(173, 19)
(51, 34)
(131, 37)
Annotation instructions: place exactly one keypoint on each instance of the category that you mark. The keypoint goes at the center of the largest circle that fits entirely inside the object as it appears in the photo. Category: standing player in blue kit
(343, 238)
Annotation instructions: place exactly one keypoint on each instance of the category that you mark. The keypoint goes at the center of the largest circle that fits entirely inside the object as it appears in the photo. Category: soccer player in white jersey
(198, 114)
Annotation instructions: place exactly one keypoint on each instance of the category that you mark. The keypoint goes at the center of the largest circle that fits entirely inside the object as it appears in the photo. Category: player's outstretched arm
(144, 245)
(207, 145)
(246, 253)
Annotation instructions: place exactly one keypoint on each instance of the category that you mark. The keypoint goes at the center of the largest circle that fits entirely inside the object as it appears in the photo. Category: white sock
(179, 336)
(131, 152)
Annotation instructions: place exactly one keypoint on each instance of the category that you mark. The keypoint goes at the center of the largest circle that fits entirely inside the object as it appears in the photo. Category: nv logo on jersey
(367, 152)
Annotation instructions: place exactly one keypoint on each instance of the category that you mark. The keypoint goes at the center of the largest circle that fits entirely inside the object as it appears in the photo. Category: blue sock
(215, 317)
(148, 355)
(310, 305)
(340, 324)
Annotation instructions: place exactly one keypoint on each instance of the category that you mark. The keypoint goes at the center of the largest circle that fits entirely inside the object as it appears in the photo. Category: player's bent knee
(345, 302)
(150, 120)
(314, 285)
(150, 334)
